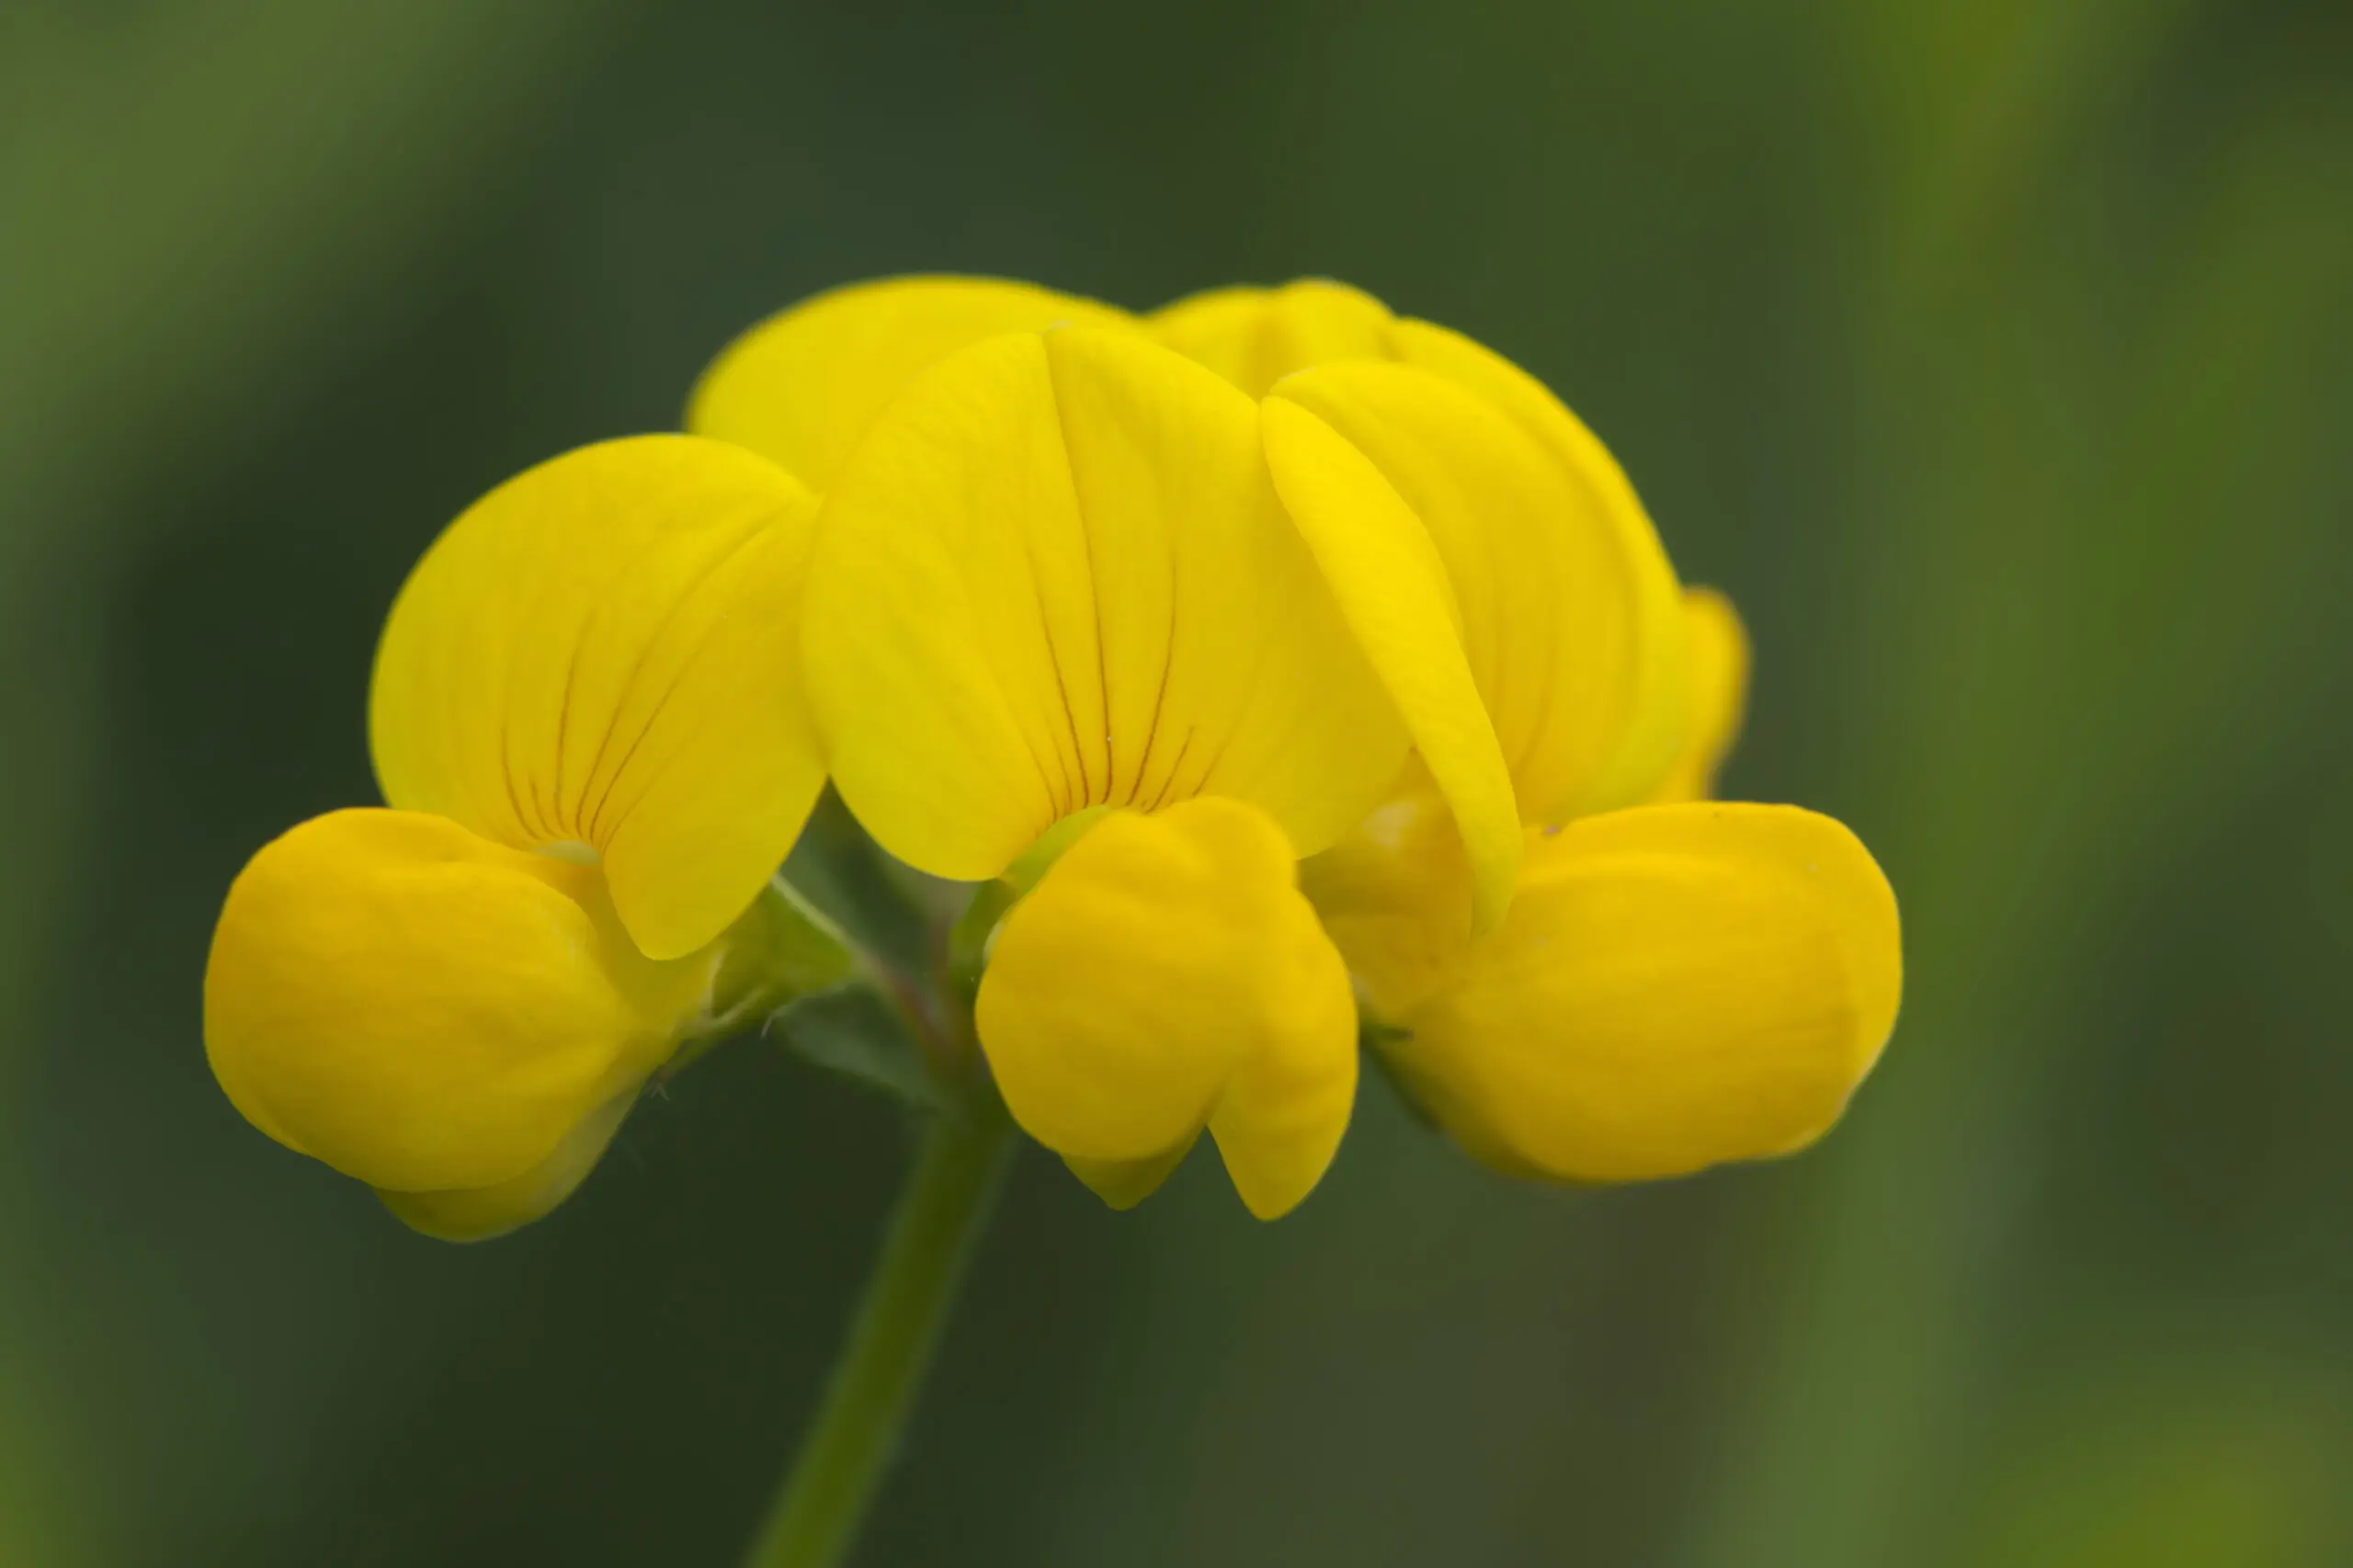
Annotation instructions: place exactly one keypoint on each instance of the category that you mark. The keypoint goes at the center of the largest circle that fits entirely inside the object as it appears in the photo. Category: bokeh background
(1997, 355)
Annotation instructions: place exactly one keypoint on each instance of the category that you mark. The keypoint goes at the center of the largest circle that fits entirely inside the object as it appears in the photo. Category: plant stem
(941, 1215)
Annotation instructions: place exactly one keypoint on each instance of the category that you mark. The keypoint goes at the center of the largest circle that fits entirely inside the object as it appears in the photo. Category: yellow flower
(1675, 985)
(587, 723)
(1056, 576)
(1055, 580)
(1690, 648)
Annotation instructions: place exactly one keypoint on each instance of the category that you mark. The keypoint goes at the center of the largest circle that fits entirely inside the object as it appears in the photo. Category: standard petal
(803, 386)
(1719, 666)
(424, 1009)
(1653, 737)
(1392, 584)
(1057, 577)
(604, 650)
(1166, 975)
(1677, 986)
(1254, 337)
(1550, 605)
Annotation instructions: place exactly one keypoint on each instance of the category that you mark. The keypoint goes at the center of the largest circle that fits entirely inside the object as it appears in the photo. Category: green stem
(941, 1215)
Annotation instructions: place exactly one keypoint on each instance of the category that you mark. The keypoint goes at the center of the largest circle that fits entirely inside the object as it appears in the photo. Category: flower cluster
(1292, 679)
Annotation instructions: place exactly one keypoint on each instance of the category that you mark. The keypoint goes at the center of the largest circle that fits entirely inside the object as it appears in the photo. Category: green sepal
(878, 903)
(1029, 868)
(967, 941)
(783, 949)
(853, 1031)
(780, 951)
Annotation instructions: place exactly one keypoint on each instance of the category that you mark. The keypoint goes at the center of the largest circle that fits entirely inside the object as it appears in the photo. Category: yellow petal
(424, 1009)
(1719, 665)
(803, 386)
(1395, 893)
(1393, 584)
(1166, 975)
(480, 1214)
(1653, 737)
(1254, 337)
(1676, 986)
(1257, 337)
(1056, 577)
(1550, 606)
(604, 651)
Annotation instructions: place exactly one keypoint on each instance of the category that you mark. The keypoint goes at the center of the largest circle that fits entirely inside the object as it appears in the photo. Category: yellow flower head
(1297, 672)
(588, 721)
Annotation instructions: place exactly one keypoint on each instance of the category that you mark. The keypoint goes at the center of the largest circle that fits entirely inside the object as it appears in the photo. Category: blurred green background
(1996, 355)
